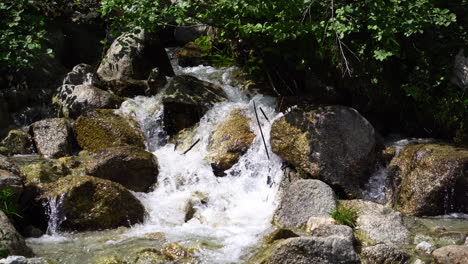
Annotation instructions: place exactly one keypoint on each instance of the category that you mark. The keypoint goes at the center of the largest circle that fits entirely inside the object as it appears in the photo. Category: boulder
(186, 100)
(332, 143)
(451, 255)
(90, 203)
(10, 177)
(81, 74)
(378, 224)
(185, 34)
(302, 200)
(230, 140)
(430, 179)
(43, 171)
(75, 100)
(315, 222)
(53, 138)
(342, 231)
(132, 56)
(192, 55)
(17, 142)
(313, 250)
(384, 254)
(132, 167)
(102, 128)
(11, 242)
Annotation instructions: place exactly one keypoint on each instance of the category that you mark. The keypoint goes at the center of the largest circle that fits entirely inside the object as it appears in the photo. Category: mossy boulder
(230, 140)
(74, 100)
(186, 100)
(17, 142)
(90, 203)
(43, 172)
(102, 128)
(332, 143)
(130, 166)
(53, 138)
(430, 179)
(11, 242)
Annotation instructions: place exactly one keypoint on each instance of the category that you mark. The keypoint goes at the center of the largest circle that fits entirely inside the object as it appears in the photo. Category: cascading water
(55, 213)
(229, 213)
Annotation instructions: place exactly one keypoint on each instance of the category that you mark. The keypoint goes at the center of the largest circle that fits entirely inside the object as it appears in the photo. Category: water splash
(55, 213)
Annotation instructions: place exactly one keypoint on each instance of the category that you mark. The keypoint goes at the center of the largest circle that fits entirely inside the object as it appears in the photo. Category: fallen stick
(261, 132)
(191, 147)
(264, 114)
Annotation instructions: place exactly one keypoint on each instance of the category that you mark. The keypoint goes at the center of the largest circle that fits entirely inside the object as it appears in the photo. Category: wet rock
(342, 231)
(451, 238)
(185, 138)
(313, 250)
(23, 260)
(129, 88)
(278, 234)
(17, 142)
(75, 100)
(175, 252)
(108, 260)
(130, 166)
(133, 56)
(186, 100)
(11, 242)
(42, 172)
(230, 140)
(80, 74)
(156, 81)
(102, 128)
(149, 256)
(90, 203)
(315, 222)
(388, 154)
(430, 179)
(53, 138)
(451, 255)
(192, 55)
(302, 200)
(332, 143)
(424, 248)
(384, 254)
(378, 224)
(11, 177)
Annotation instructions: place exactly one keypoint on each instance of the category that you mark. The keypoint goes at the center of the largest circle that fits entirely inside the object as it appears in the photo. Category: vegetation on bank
(344, 215)
(392, 60)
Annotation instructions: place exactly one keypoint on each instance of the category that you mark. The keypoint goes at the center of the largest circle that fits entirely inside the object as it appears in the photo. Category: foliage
(218, 57)
(345, 215)
(8, 204)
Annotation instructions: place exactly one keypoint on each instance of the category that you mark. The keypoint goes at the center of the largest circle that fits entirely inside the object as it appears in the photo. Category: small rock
(424, 248)
(451, 255)
(174, 251)
(452, 238)
(315, 222)
(341, 231)
(53, 138)
(304, 199)
(383, 254)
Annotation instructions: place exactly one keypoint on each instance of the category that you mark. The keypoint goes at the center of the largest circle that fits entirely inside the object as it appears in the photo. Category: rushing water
(231, 212)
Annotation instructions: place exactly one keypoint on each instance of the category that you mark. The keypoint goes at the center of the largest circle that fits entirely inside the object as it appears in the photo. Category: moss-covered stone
(333, 143)
(45, 171)
(91, 203)
(175, 252)
(148, 256)
(430, 179)
(230, 140)
(16, 142)
(103, 128)
(108, 260)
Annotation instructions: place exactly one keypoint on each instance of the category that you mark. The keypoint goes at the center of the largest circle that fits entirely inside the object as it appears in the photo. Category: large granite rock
(132, 56)
(430, 179)
(53, 138)
(332, 143)
(132, 167)
(378, 224)
(90, 203)
(384, 254)
(11, 242)
(102, 128)
(17, 142)
(302, 200)
(186, 100)
(230, 140)
(74, 100)
(80, 74)
(451, 255)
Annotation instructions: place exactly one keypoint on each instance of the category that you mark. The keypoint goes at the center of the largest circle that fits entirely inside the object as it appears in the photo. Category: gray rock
(451, 255)
(53, 138)
(132, 167)
(384, 254)
(341, 231)
(133, 56)
(302, 200)
(378, 224)
(11, 240)
(74, 100)
(186, 100)
(313, 250)
(424, 248)
(80, 74)
(17, 142)
(332, 143)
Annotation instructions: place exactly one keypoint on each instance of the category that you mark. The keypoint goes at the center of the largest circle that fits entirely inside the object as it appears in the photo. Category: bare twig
(264, 114)
(261, 132)
(191, 147)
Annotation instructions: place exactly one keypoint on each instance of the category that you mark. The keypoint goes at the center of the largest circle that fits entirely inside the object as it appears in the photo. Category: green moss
(103, 128)
(44, 171)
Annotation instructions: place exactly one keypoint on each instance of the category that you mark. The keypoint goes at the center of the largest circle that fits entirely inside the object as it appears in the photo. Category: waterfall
(55, 213)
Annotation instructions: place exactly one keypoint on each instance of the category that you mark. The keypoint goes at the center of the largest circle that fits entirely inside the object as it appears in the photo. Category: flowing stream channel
(231, 212)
